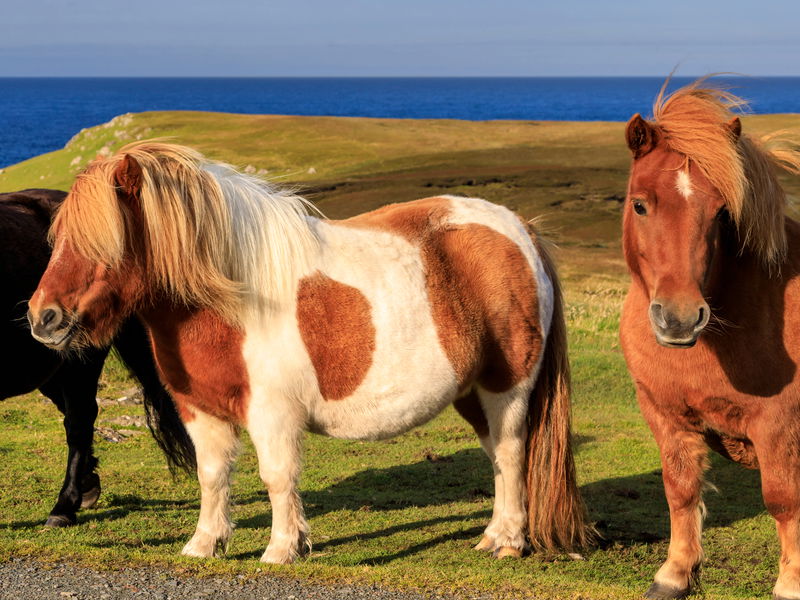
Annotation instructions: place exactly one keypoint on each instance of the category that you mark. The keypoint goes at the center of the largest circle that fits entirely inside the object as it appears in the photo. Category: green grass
(404, 512)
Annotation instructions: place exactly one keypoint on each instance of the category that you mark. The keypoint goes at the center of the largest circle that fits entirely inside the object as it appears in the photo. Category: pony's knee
(278, 481)
(781, 503)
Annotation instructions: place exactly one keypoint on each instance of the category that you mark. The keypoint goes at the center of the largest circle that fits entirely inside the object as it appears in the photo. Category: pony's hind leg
(216, 443)
(506, 417)
(277, 437)
(469, 407)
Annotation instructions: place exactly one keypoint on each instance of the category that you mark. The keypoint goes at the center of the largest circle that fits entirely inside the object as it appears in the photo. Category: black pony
(70, 381)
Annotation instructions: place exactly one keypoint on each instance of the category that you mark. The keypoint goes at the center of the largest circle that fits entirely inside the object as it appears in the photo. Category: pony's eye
(723, 215)
(639, 208)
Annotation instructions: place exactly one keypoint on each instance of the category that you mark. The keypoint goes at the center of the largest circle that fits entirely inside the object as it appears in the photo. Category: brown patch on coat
(335, 322)
(199, 357)
(482, 291)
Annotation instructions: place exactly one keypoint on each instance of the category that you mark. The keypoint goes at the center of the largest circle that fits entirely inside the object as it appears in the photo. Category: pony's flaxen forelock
(695, 122)
(212, 236)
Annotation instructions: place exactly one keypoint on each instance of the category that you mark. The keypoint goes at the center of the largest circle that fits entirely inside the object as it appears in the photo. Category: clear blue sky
(397, 37)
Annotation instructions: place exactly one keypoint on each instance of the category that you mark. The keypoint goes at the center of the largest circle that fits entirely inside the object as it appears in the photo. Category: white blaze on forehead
(684, 184)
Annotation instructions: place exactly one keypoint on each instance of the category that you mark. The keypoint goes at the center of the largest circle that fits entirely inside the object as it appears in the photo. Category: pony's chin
(669, 342)
(58, 340)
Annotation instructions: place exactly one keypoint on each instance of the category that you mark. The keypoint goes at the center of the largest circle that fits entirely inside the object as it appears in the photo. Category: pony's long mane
(694, 121)
(213, 237)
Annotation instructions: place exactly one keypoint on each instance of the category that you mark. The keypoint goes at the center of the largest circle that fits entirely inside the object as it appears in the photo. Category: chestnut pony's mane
(212, 236)
(695, 122)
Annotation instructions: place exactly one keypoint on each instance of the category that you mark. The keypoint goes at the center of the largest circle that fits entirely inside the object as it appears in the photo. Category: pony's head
(94, 278)
(698, 189)
(126, 235)
(159, 223)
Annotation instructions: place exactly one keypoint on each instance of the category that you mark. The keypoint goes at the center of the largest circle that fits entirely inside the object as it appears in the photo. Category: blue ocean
(41, 115)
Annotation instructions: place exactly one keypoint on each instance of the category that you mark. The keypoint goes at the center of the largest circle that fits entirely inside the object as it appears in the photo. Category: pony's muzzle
(49, 327)
(678, 326)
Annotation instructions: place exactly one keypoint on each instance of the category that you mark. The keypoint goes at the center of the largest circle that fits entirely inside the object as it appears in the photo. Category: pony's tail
(557, 517)
(133, 346)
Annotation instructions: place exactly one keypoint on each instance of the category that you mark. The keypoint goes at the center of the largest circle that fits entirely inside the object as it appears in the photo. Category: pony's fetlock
(90, 490)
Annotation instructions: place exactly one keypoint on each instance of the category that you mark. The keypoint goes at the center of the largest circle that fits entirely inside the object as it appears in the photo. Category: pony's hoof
(278, 556)
(90, 490)
(485, 545)
(54, 521)
(201, 547)
(508, 552)
(658, 591)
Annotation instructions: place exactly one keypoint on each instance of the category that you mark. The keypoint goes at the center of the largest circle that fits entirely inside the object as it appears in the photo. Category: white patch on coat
(389, 272)
(683, 183)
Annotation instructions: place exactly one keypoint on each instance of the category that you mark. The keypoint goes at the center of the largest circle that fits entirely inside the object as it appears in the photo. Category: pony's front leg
(781, 493)
(684, 459)
(216, 443)
(277, 436)
(73, 389)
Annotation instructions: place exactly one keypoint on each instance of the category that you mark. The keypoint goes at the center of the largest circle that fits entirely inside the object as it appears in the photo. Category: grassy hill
(404, 513)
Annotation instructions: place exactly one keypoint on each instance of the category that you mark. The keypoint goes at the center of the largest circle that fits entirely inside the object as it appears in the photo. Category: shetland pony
(265, 317)
(70, 381)
(711, 324)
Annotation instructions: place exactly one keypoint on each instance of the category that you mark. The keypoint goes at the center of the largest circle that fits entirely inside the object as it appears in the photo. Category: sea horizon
(40, 114)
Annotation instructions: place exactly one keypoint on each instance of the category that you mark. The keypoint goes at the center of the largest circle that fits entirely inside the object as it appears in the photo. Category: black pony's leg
(74, 391)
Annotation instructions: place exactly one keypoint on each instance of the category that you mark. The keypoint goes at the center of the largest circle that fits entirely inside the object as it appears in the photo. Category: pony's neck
(739, 282)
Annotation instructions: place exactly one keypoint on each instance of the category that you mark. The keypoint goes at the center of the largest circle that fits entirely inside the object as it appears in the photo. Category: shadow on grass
(463, 476)
(628, 510)
(465, 534)
(632, 510)
(116, 507)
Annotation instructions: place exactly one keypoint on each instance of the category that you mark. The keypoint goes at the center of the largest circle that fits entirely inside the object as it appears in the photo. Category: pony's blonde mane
(695, 122)
(213, 237)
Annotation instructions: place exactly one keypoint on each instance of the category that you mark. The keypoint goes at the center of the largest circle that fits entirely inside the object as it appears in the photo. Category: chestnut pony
(265, 317)
(711, 324)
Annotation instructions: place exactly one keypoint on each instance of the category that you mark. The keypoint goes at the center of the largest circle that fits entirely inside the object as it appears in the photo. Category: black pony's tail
(133, 346)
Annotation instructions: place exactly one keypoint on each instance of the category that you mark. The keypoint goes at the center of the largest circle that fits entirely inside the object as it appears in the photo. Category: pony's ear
(735, 127)
(640, 135)
(128, 176)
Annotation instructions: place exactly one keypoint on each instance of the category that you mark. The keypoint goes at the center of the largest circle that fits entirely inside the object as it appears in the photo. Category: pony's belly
(373, 414)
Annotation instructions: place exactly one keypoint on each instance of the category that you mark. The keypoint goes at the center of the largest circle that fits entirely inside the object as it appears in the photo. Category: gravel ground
(32, 580)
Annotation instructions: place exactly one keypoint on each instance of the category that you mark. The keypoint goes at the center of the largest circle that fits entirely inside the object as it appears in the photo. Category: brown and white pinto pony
(711, 324)
(265, 317)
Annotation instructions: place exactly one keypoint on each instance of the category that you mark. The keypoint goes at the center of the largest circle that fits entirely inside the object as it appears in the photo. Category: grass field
(404, 512)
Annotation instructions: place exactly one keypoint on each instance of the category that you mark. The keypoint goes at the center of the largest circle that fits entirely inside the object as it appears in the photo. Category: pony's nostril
(701, 317)
(48, 315)
(657, 314)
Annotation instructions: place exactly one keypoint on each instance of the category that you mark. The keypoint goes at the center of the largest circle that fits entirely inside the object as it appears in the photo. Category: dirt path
(32, 580)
